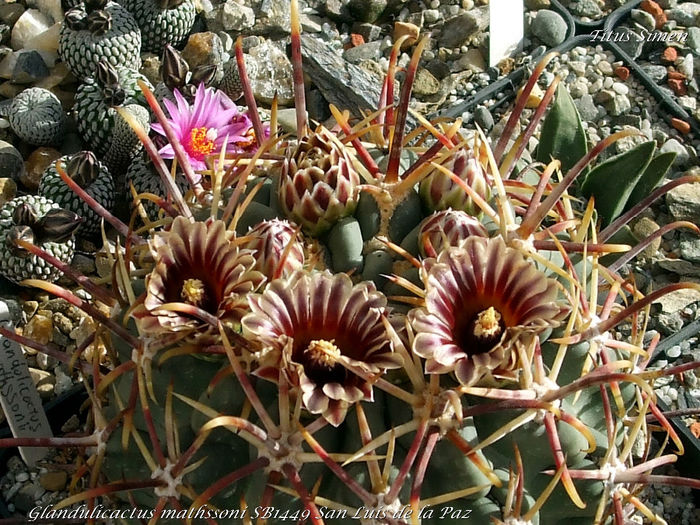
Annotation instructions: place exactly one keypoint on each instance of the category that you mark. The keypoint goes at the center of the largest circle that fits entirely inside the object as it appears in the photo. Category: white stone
(620, 88)
(51, 8)
(7, 65)
(31, 23)
(236, 17)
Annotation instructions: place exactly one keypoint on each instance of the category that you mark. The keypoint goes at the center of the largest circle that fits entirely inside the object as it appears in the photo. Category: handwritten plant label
(507, 28)
(19, 397)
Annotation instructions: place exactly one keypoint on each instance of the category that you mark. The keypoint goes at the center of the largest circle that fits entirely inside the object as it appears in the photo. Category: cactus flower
(482, 298)
(196, 264)
(317, 327)
(202, 128)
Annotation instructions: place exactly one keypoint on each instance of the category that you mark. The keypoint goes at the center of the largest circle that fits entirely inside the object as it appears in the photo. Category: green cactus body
(261, 368)
(98, 121)
(100, 188)
(36, 116)
(162, 22)
(17, 265)
(113, 35)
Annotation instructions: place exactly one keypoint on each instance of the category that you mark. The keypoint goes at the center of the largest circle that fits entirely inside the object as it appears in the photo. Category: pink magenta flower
(202, 128)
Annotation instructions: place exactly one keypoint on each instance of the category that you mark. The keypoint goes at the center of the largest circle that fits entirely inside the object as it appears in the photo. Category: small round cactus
(96, 30)
(36, 116)
(162, 21)
(41, 222)
(98, 121)
(91, 175)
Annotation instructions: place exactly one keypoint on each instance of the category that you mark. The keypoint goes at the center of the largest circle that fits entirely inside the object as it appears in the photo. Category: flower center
(201, 141)
(322, 353)
(487, 324)
(193, 292)
(478, 333)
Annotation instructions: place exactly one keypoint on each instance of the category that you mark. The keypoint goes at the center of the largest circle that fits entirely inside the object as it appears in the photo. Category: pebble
(630, 41)
(657, 73)
(686, 14)
(622, 73)
(644, 19)
(684, 202)
(425, 83)
(29, 67)
(11, 162)
(483, 118)
(620, 88)
(682, 155)
(367, 10)
(368, 51)
(686, 66)
(605, 67)
(236, 17)
(54, 481)
(204, 48)
(549, 27)
(36, 164)
(457, 30)
(693, 40)
(31, 23)
(643, 228)
(681, 125)
(273, 74)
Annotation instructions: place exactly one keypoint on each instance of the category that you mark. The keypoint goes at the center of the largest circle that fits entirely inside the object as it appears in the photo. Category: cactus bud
(82, 168)
(23, 215)
(76, 20)
(58, 225)
(174, 69)
(99, 22)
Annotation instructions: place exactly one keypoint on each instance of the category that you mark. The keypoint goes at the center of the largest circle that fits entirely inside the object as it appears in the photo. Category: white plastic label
(507, 28)
(19, 398)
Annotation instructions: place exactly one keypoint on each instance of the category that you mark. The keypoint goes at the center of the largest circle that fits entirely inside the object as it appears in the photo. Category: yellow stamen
(323, 353)
(193, 291)
(487, 323)
(201, 141)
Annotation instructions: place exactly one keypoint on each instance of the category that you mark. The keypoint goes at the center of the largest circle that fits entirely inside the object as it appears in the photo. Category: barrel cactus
(461, 367)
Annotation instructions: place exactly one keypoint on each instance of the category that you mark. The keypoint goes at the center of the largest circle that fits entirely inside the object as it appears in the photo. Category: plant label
(506, 29)
(18, 396)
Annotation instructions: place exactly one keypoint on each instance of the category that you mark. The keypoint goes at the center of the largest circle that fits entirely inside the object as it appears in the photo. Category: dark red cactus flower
(447, 228)
(481, 300)
(196, 263)
(307, 324)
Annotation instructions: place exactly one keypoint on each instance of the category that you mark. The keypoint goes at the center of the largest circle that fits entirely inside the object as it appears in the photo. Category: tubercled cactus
(460, 364)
